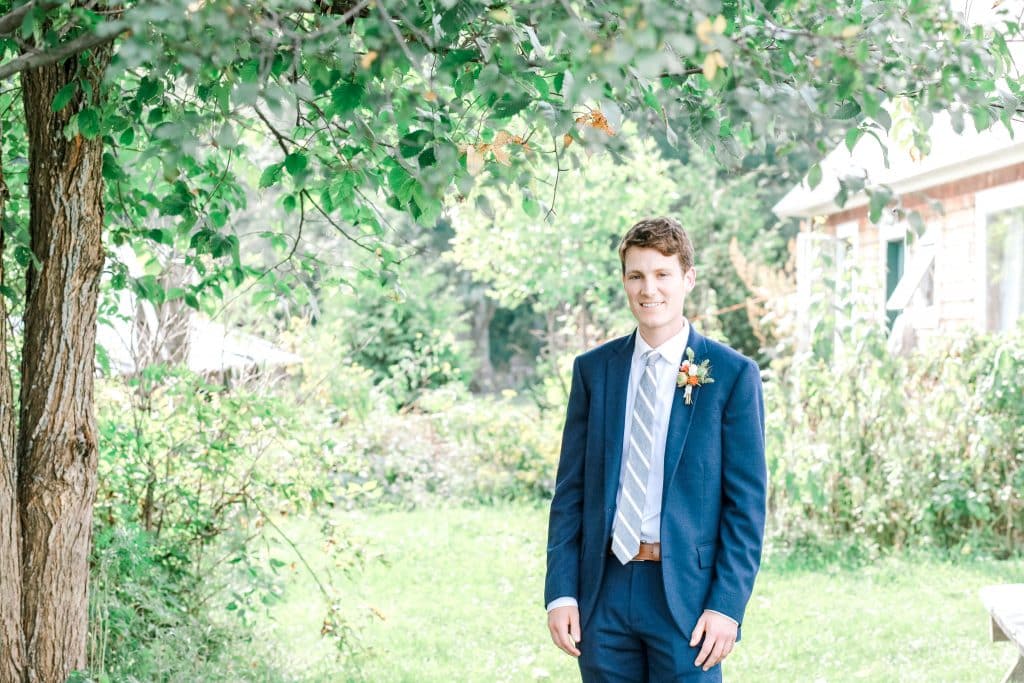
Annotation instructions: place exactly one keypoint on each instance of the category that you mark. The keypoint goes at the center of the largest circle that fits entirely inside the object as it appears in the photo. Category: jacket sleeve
(565, 522)
(744, 495)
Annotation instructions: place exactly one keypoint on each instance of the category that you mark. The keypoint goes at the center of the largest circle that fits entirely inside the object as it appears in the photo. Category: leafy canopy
(342, 108)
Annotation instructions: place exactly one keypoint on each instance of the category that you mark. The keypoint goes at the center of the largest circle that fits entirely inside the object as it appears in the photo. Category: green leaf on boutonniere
(693, 374)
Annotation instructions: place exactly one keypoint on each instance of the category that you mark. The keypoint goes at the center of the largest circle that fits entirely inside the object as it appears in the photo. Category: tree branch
(12, 20)
(84, 42)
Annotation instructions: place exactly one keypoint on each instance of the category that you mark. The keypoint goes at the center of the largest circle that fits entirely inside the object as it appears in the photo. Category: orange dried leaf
(474, 160)
(368, 59)
(501, 155)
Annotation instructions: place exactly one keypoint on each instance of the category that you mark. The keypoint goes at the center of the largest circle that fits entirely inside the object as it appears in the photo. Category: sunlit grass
(459, 599)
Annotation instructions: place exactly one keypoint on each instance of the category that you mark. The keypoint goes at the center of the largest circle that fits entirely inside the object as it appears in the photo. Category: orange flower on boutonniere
(692, 374)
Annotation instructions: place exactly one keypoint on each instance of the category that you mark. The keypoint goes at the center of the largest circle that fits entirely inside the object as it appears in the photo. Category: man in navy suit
(655, 589)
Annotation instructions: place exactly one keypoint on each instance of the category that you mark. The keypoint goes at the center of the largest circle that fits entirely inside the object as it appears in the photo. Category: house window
(1004, 269)
(893, 237)
(1000, 214)
(917, 282)
(895, 253)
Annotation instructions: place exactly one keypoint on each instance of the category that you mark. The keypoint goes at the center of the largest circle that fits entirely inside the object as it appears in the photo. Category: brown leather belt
(649, 552)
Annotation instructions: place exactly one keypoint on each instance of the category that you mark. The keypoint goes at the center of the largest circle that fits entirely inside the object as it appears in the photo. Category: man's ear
(690, 278)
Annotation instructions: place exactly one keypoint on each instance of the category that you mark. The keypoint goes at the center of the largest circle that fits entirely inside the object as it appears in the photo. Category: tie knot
(649, 357)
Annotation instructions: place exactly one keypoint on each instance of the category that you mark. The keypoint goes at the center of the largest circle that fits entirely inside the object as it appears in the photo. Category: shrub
(193, 475)
(449, 447)
(876, 451)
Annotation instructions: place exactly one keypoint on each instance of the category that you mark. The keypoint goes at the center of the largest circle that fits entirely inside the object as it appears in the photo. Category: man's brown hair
(661, 233)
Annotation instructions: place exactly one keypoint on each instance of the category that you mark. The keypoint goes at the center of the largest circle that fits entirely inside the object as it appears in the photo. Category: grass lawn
(459, 597)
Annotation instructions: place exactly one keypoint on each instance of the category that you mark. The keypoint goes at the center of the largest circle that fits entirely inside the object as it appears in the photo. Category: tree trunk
(57, 452)
(483, 313)
(12, 645)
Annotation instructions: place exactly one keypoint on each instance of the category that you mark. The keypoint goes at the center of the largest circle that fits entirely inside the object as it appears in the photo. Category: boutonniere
(693, 374)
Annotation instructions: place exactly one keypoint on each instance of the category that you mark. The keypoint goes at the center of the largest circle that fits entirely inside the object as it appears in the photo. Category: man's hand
(719, 633)
(564, 624)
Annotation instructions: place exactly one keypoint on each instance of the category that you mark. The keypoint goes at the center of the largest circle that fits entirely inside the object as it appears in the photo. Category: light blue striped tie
(633, 494)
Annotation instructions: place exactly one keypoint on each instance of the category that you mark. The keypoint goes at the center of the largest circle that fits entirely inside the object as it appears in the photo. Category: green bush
(448, 447)
(187, 550)
(876, 451)
(410, 336)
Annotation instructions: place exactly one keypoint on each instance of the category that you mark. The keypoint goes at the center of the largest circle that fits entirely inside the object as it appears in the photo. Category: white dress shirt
(666, 370)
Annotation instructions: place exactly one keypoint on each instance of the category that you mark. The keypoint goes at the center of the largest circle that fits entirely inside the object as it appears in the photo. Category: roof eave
(984, 163)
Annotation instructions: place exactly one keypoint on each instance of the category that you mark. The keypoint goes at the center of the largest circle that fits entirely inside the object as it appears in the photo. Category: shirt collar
(672, 349)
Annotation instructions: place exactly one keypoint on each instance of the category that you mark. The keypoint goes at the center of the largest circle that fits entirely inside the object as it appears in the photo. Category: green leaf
(543, 89)
(847, 110)
(23, 255)
(88, 123)
(508, 106)
(249, 71)
(296, 163)
(651, 100)
(148, 287)
(531, 207)
(460, 14)
(148, 89)
(456, 58)
(63, 96)
(883, 118)
(271, 175)
(401, 183)
(852, 136)
(814, 176)
(161, 236)
(413, 142)
(347, 97)
(982, 117)
(174, 204)
(28, 24)
(103, 359)
(879, 200)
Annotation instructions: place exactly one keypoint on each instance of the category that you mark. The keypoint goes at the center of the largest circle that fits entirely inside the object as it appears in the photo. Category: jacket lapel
(681, 415)
(617, 379)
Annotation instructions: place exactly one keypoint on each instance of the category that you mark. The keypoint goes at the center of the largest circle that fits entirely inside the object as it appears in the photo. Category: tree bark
(483, 313)
(57, 453)
(12, 644)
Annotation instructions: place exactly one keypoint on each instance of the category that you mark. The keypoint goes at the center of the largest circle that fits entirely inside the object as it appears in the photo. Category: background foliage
(871, 452)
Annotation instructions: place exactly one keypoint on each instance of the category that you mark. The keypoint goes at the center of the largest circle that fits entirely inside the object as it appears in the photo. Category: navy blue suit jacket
(713, 503)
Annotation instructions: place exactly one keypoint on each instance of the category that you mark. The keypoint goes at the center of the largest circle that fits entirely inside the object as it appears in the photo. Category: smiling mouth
(651, 305)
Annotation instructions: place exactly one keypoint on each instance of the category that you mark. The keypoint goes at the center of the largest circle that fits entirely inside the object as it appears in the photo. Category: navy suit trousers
(631, 637)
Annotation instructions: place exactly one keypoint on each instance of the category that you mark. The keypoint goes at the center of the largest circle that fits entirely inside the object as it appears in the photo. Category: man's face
(656, 287)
